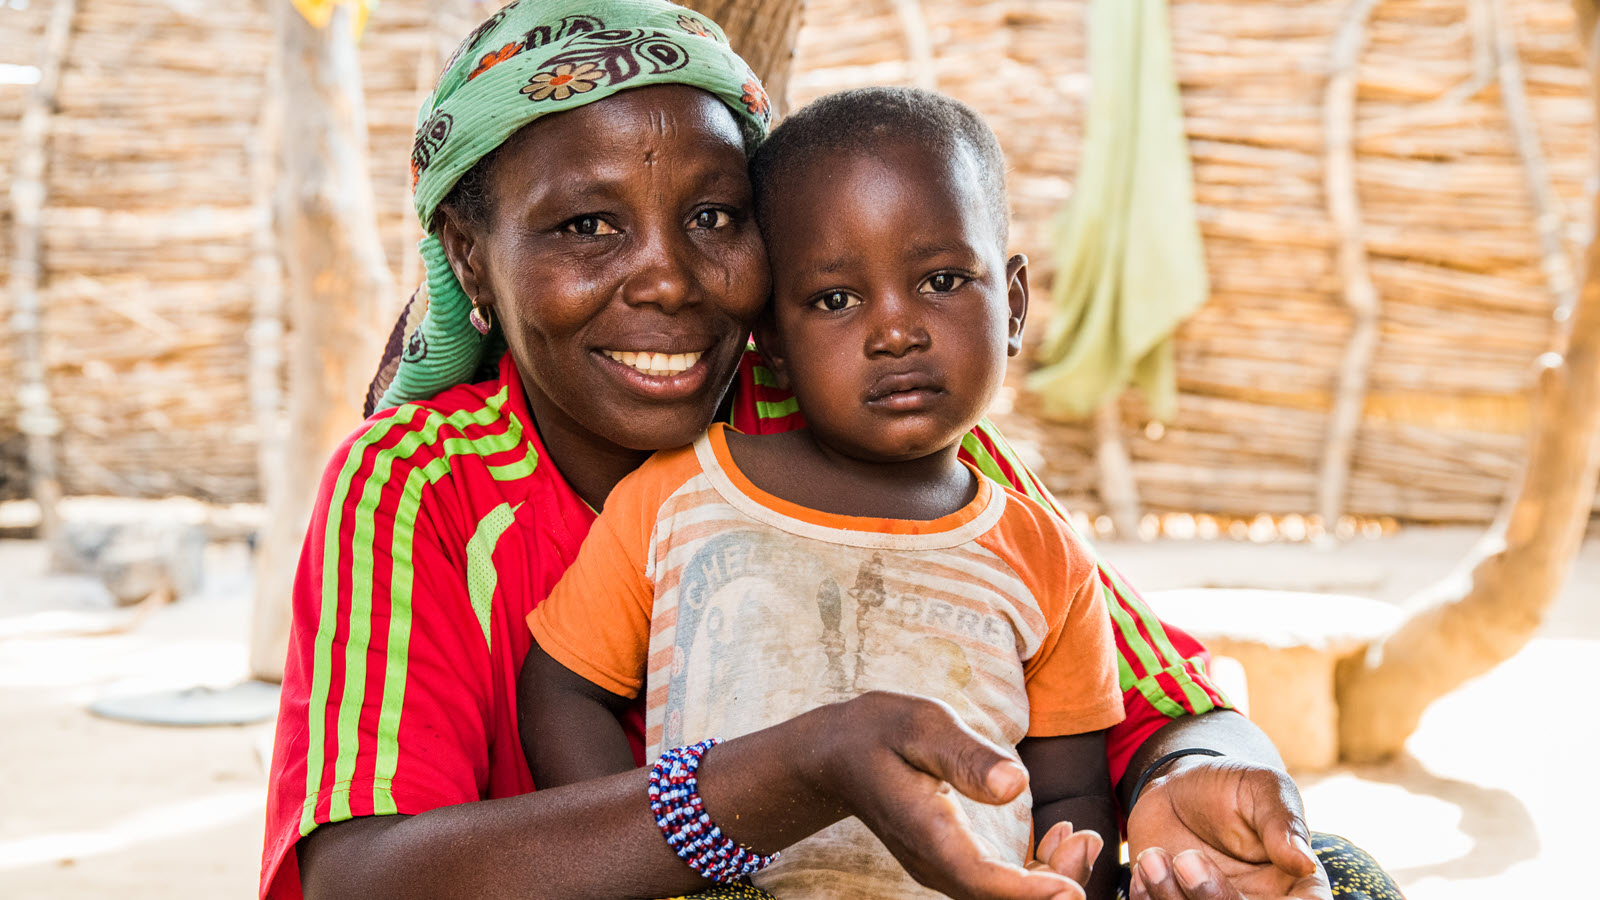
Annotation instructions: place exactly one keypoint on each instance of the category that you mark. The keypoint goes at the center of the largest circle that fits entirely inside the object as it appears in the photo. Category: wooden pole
(1344, 208)
(336, 285)
(764, 33)
(1495, 602)
(37, 419)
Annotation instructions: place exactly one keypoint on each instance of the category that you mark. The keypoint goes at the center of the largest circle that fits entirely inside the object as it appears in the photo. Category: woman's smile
(657, 376)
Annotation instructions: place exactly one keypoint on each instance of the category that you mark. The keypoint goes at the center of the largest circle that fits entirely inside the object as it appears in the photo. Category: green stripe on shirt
(322, 647)
(766, 409)
(387, 742)
(359, 639)
(360, 564)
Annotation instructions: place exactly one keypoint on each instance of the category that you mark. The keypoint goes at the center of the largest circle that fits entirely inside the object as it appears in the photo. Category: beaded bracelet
(681, 815)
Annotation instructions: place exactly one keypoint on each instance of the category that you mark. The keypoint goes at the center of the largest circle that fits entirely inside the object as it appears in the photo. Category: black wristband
(1150, 770)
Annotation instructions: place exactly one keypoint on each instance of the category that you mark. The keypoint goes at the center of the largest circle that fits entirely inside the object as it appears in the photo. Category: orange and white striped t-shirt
(734, 610)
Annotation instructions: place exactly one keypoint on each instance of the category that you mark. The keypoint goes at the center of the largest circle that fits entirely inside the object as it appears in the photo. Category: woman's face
(622, 260)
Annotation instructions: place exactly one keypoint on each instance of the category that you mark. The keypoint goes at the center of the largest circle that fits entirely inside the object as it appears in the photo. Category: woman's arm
(568, 725)
(1213, 828)
(885, 758)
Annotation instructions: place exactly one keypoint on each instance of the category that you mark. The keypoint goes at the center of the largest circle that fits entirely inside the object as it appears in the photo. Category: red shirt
(439, 526)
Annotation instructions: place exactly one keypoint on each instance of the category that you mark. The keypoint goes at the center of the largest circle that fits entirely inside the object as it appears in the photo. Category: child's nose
(896, 328)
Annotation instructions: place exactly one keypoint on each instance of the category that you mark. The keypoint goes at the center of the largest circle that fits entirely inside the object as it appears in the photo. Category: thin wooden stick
(38, 419)
(919, 43)
(1360, 295)
(1549, 214)
(1118, 488)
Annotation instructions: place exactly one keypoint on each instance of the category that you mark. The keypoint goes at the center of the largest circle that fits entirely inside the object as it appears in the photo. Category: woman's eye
(712, 218)
(836, 300)
(944, 282)
(589, 225)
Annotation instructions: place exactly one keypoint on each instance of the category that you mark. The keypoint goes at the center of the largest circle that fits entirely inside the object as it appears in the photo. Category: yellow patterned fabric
(1354, 874)
(728, 892)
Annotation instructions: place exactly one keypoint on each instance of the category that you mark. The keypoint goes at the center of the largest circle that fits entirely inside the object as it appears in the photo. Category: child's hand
(1067, 852)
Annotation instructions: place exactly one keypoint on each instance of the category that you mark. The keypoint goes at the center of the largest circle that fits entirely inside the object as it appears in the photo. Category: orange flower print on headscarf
(490, 60)
(563, 81)
(755, 99)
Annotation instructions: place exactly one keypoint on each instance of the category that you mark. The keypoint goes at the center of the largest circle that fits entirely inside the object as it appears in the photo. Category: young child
(746, 579)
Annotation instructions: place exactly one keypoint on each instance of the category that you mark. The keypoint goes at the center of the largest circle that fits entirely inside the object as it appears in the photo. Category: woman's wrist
(772, 787)
(1166, 763)
(1224, 731)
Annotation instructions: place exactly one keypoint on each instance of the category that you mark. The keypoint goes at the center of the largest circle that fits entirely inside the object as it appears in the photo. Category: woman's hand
(892, 761)
(1222, 829)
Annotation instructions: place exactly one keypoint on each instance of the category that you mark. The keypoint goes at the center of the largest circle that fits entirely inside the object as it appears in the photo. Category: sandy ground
(1495, 797)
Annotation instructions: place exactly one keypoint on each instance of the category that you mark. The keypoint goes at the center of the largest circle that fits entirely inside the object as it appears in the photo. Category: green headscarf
(531, 59)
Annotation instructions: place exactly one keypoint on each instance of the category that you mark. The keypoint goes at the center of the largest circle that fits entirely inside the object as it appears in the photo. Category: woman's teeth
(658, 364)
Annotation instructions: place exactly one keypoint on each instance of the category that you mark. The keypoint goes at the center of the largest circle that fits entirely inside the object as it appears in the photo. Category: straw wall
(151, 228)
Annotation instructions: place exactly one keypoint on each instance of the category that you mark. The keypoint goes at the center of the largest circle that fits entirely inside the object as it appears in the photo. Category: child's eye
(943, 283)
(588, 225)
(834, 301)
(712, 218)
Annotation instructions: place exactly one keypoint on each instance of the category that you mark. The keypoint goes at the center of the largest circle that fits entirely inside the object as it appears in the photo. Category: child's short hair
(862, 118)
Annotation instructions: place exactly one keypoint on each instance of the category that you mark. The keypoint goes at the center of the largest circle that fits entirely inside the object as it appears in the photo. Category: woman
(612, 251)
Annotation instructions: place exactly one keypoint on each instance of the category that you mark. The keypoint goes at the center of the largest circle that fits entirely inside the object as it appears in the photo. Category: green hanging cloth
(1131, 265)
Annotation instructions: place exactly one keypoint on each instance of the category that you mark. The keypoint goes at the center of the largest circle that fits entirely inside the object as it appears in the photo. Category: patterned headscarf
(531, 59)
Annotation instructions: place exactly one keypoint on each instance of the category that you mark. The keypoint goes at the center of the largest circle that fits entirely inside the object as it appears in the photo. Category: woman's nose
(661, 274)
(896, 328)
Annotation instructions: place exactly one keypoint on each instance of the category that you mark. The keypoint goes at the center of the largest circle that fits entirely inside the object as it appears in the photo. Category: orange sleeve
(1072, 678)
(596, 620)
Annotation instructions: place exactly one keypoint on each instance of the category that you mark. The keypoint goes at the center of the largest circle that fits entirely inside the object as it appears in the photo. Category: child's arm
(569, 726)
(1072, 783)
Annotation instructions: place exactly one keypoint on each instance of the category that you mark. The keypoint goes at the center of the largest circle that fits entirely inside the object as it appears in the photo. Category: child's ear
(1017, 299)
(771, 346)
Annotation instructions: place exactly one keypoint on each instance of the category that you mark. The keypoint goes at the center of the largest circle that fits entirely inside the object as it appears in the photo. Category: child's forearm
(1071, 783)
(569, 727)
(1095, 813)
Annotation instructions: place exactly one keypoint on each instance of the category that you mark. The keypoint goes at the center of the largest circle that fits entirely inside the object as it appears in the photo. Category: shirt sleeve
(386, 688)
(596, 621)
(1071, 677)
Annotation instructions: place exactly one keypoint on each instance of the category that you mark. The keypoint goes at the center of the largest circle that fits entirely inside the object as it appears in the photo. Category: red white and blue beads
(681, 815)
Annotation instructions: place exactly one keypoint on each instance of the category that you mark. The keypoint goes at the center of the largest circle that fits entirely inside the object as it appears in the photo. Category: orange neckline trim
(719, 447)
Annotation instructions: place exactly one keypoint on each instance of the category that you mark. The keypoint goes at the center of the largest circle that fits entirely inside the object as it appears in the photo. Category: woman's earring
(481, 319)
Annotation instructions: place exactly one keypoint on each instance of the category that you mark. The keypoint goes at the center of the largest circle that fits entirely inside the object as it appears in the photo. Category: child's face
(894, 307)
